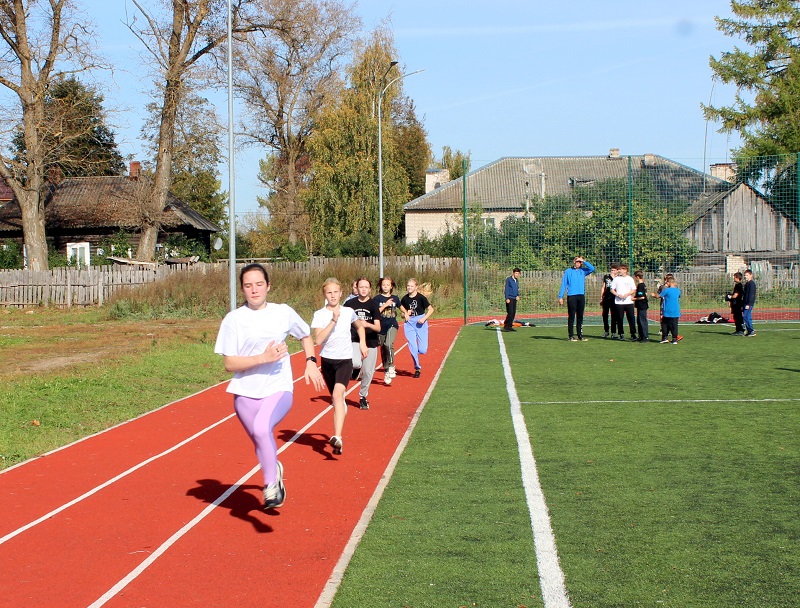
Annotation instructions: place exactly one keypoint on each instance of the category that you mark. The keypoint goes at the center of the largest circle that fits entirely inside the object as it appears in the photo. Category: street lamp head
(392, 64)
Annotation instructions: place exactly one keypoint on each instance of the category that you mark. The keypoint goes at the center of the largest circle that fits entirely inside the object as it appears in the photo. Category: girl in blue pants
(416, 311)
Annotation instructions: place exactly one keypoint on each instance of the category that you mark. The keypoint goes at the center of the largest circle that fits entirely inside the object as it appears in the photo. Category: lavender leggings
(259, 417)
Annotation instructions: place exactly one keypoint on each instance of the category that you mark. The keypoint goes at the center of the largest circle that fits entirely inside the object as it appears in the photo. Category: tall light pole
(231, 172)
(380, 158)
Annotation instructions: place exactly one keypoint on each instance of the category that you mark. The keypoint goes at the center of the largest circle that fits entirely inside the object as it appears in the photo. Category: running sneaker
(336, 443)
(363, 403)
(573, 339)
(605, 334)
(417, 373)
(664, 342)
(391, 372)
(387, 379)
(674, 341)
(751, 334)
(582, 339)
(275, 493)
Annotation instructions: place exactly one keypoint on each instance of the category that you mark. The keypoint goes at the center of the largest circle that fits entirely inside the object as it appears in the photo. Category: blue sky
(515, 78)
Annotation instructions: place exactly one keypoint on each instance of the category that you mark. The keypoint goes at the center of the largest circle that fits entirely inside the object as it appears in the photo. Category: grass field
(671, 475)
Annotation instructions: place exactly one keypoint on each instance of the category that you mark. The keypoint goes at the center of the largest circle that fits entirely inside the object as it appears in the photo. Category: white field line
(133, 574)
(332, 586)
(551, 577)
(776, 399)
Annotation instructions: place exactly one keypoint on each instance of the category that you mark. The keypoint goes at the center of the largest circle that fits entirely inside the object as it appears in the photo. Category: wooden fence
(66, 286)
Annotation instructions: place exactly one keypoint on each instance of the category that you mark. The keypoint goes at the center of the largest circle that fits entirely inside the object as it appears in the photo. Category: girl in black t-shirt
(416, 311)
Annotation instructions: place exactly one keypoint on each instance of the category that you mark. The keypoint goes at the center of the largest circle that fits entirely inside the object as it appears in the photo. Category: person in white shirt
(252, 342)
(624, 288)
(331, 325)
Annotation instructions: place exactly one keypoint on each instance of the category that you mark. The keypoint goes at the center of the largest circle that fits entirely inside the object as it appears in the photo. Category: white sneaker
(390, 372)
(387, 379)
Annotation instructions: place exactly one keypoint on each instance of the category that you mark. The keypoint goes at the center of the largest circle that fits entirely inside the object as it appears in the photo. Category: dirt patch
(52, 341)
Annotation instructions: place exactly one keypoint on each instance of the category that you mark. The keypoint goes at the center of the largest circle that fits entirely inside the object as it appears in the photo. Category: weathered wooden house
(92, 209)
(728, 219)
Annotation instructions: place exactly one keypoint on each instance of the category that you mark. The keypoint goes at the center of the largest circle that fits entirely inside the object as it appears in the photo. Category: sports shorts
(336, 371)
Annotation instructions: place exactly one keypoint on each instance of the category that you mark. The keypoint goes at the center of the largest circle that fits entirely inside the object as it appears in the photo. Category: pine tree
(766, 111)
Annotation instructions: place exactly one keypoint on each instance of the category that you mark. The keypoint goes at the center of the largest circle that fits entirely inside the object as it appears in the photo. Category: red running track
(165, 510)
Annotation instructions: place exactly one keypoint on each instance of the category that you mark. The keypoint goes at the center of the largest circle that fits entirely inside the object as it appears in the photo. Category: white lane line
(551, 577)
(332, 586)
(769, 400)
(96, 489)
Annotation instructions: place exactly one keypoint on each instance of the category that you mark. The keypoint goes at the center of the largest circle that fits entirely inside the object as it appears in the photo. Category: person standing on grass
(416, 311)
(511, 293)
(609, 309)
(737, 304)
(640, 302)
(749, 303)
(252, 342)
(671, 310)
(369, 315)
(331, 325)
(573, 284)
(388, 304)
(623, 287)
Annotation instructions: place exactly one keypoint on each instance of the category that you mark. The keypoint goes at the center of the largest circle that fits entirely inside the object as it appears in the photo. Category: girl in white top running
(331, 325)
(252, 341)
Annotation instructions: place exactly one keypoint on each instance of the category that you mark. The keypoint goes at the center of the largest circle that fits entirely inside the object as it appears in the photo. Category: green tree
(413, 149)
(453, 161)
(77, 139)
(342, 196)
(286, 76)
(196, 155)
(766, 110)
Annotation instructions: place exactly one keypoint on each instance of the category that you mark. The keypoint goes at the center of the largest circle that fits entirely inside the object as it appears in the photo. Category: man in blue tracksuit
(574, 285)
(512, 297)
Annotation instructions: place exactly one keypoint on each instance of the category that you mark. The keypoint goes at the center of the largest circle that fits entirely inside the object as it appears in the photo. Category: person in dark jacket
(749, 303)
(512, 297)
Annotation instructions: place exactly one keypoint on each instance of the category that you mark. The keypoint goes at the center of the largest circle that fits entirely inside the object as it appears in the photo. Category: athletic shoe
(621, 338)
(275, 493)
(363, 403)
(613, 336)
(664, 342)
(738, 333)
(605, 334)
(391, 371)
(582, 339)
(674, 342)
(417, 373)
(387, 379)
(751, 334)
(336, 443)
(680, 337)
(573, 339)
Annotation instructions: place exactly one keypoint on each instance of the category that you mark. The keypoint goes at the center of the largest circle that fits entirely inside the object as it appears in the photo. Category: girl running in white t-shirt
(252, 341)
(331, 325)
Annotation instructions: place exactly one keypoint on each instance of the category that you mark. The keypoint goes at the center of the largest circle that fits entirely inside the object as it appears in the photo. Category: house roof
(507, 183)
(102, 202)
(6, 194)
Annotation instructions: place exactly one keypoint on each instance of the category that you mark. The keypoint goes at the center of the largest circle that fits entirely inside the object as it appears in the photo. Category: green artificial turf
(671, 473)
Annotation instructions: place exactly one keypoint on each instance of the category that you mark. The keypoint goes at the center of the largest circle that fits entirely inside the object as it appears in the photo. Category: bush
(10, 255)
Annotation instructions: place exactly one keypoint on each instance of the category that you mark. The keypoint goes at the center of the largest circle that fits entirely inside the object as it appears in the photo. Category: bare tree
(286, 74)
(192, 31)
(42, 42)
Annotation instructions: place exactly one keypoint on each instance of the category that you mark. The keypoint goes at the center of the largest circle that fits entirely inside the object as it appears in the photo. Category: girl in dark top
(416, 311)
(388, 304)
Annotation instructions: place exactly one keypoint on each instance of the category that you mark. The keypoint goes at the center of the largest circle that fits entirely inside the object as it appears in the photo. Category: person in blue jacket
(573, 284)
(512, 297)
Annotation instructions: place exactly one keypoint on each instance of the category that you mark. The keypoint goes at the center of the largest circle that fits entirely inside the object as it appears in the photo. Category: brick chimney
(135, 170)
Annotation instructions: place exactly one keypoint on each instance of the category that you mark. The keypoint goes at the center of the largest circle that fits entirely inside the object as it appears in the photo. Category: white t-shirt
(337, 344)
(247, 332)
(623, 285)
